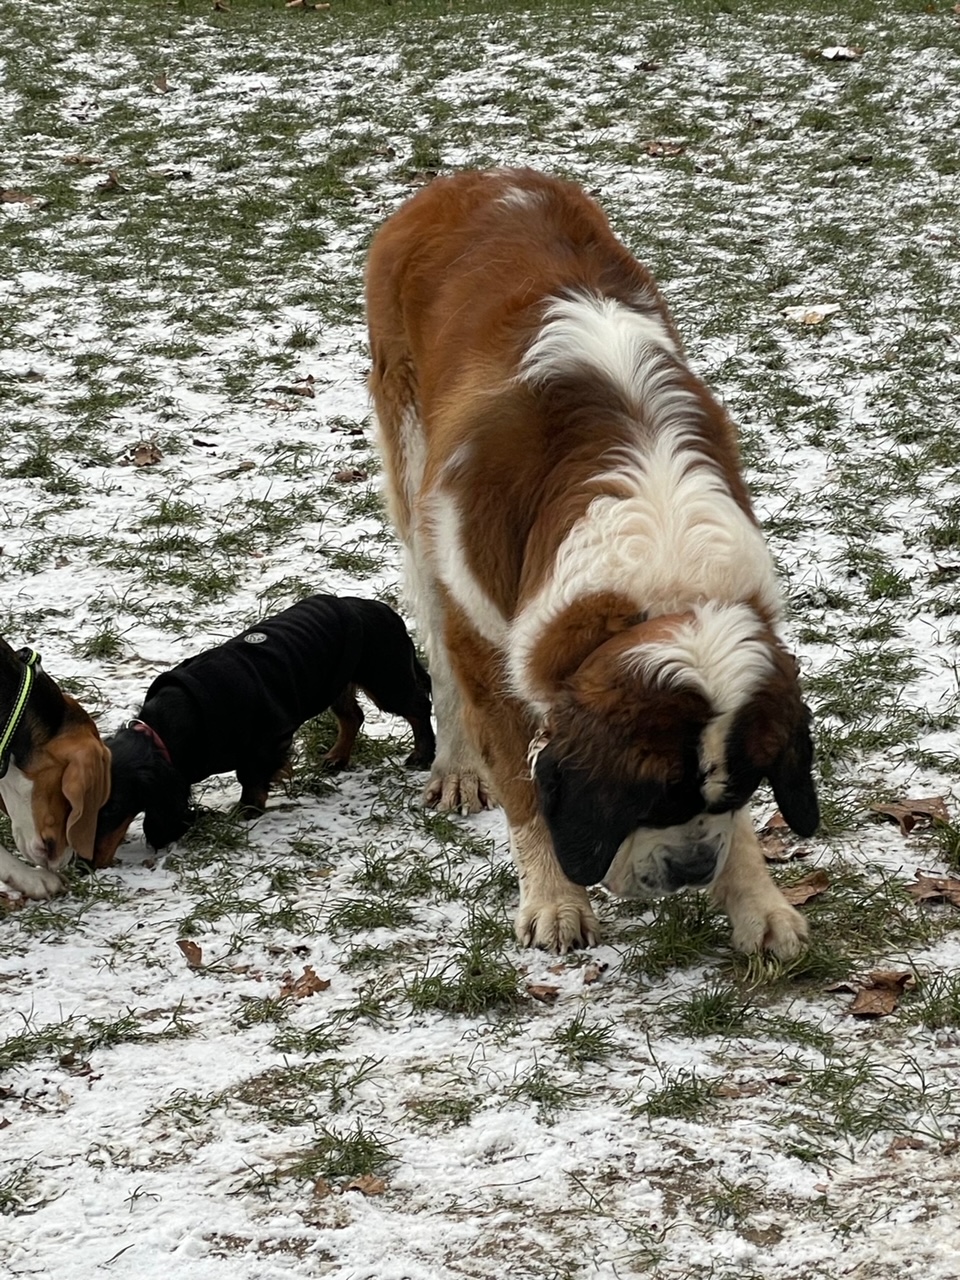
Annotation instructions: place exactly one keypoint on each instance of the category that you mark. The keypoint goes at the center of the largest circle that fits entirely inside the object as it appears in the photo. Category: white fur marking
(449, 560)
(518, 198)
(672, 538)
(624, 345)
(17, 792)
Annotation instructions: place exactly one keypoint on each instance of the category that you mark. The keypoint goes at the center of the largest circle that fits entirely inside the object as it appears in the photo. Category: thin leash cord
(31, 660)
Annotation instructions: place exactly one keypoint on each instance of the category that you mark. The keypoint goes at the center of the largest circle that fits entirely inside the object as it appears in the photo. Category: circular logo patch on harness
(255, 637)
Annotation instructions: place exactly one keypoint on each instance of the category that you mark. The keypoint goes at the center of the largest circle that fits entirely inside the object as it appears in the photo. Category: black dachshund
(236, 708)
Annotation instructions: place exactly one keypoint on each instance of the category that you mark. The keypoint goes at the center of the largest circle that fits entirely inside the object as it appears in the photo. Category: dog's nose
(694, 866)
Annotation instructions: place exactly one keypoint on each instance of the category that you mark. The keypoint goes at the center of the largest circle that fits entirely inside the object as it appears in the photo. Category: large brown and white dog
(57, 777)
(597, 599)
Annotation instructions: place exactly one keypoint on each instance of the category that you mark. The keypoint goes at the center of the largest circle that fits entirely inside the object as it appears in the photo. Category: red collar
(141, 726)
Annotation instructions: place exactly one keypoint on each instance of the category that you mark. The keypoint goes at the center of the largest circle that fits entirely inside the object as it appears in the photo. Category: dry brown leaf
(295, 389)
(593, 972)
(905, 1143)
(927, 888)
(193, 953)
(111, 182)
(748, 1089)
(350, 475)
(656, 148)
(321, 1188)
(542, 992)
(162, 83)
(907, 813)
(811, 315)
(367, 1184)
(810, 886)
(146, 454)
(877, 995)
(81, 159)
(9, 196)
(308, 984)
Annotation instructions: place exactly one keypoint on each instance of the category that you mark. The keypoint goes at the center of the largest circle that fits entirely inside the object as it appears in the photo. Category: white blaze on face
(639, 869)
(17, 791)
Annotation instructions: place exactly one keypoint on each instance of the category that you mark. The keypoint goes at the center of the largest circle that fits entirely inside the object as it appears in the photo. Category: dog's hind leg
(457, 781)
(399, 685)
(349, 716)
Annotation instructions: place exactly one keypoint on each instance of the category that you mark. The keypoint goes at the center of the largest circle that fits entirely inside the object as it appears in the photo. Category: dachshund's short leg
(256, 775)
(405, 692)
(349, 716)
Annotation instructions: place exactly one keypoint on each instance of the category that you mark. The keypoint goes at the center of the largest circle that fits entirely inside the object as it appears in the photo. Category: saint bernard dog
(598, 602)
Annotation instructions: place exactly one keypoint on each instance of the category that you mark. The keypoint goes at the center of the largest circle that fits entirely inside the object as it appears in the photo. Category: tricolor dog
(235, 708)
(599, 604)
(54, 774)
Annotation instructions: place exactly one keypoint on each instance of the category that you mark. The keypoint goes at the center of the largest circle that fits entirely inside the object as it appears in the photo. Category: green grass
(186, 304)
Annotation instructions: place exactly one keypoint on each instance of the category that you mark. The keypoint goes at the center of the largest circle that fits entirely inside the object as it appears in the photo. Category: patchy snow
(181, 309)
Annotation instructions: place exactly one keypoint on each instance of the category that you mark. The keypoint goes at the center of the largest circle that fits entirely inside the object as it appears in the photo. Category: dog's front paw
(33, 882)
(458, 792)
(560, 925)
(773, 926)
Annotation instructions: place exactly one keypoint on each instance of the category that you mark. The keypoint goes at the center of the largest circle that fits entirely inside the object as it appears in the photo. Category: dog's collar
(31, 663)
(141, 726)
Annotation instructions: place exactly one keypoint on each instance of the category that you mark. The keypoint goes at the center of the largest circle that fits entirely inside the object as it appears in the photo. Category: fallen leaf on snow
(162, 83)
(810, 886)
(747, 1089)
(927, 888)
(811, 315)
(367, 1184)
(234, 471)
(655, 148)
(193, 953)
(877, 995)
(542, 992)
(593, 972)
(350, 475)
(81, 159)
(110, 183)
(321, 1188)
(905, 1143)
(9, 196)
(907, 813)
(295, 389)
(308, 984)
(145, 454)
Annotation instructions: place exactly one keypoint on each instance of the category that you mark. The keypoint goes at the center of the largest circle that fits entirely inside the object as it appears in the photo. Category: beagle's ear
(86, 786)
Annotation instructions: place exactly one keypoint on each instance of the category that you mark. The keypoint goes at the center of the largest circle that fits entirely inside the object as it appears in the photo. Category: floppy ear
(168, 813)
(86, 786)
(791, 776)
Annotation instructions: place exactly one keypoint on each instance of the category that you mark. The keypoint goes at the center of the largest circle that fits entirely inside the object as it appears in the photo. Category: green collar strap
(31, 661)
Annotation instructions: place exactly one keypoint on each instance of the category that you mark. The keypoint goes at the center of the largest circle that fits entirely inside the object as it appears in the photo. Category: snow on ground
(673, 1111)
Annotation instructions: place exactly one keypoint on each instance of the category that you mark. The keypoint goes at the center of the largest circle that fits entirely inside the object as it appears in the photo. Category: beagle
(54, 774)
